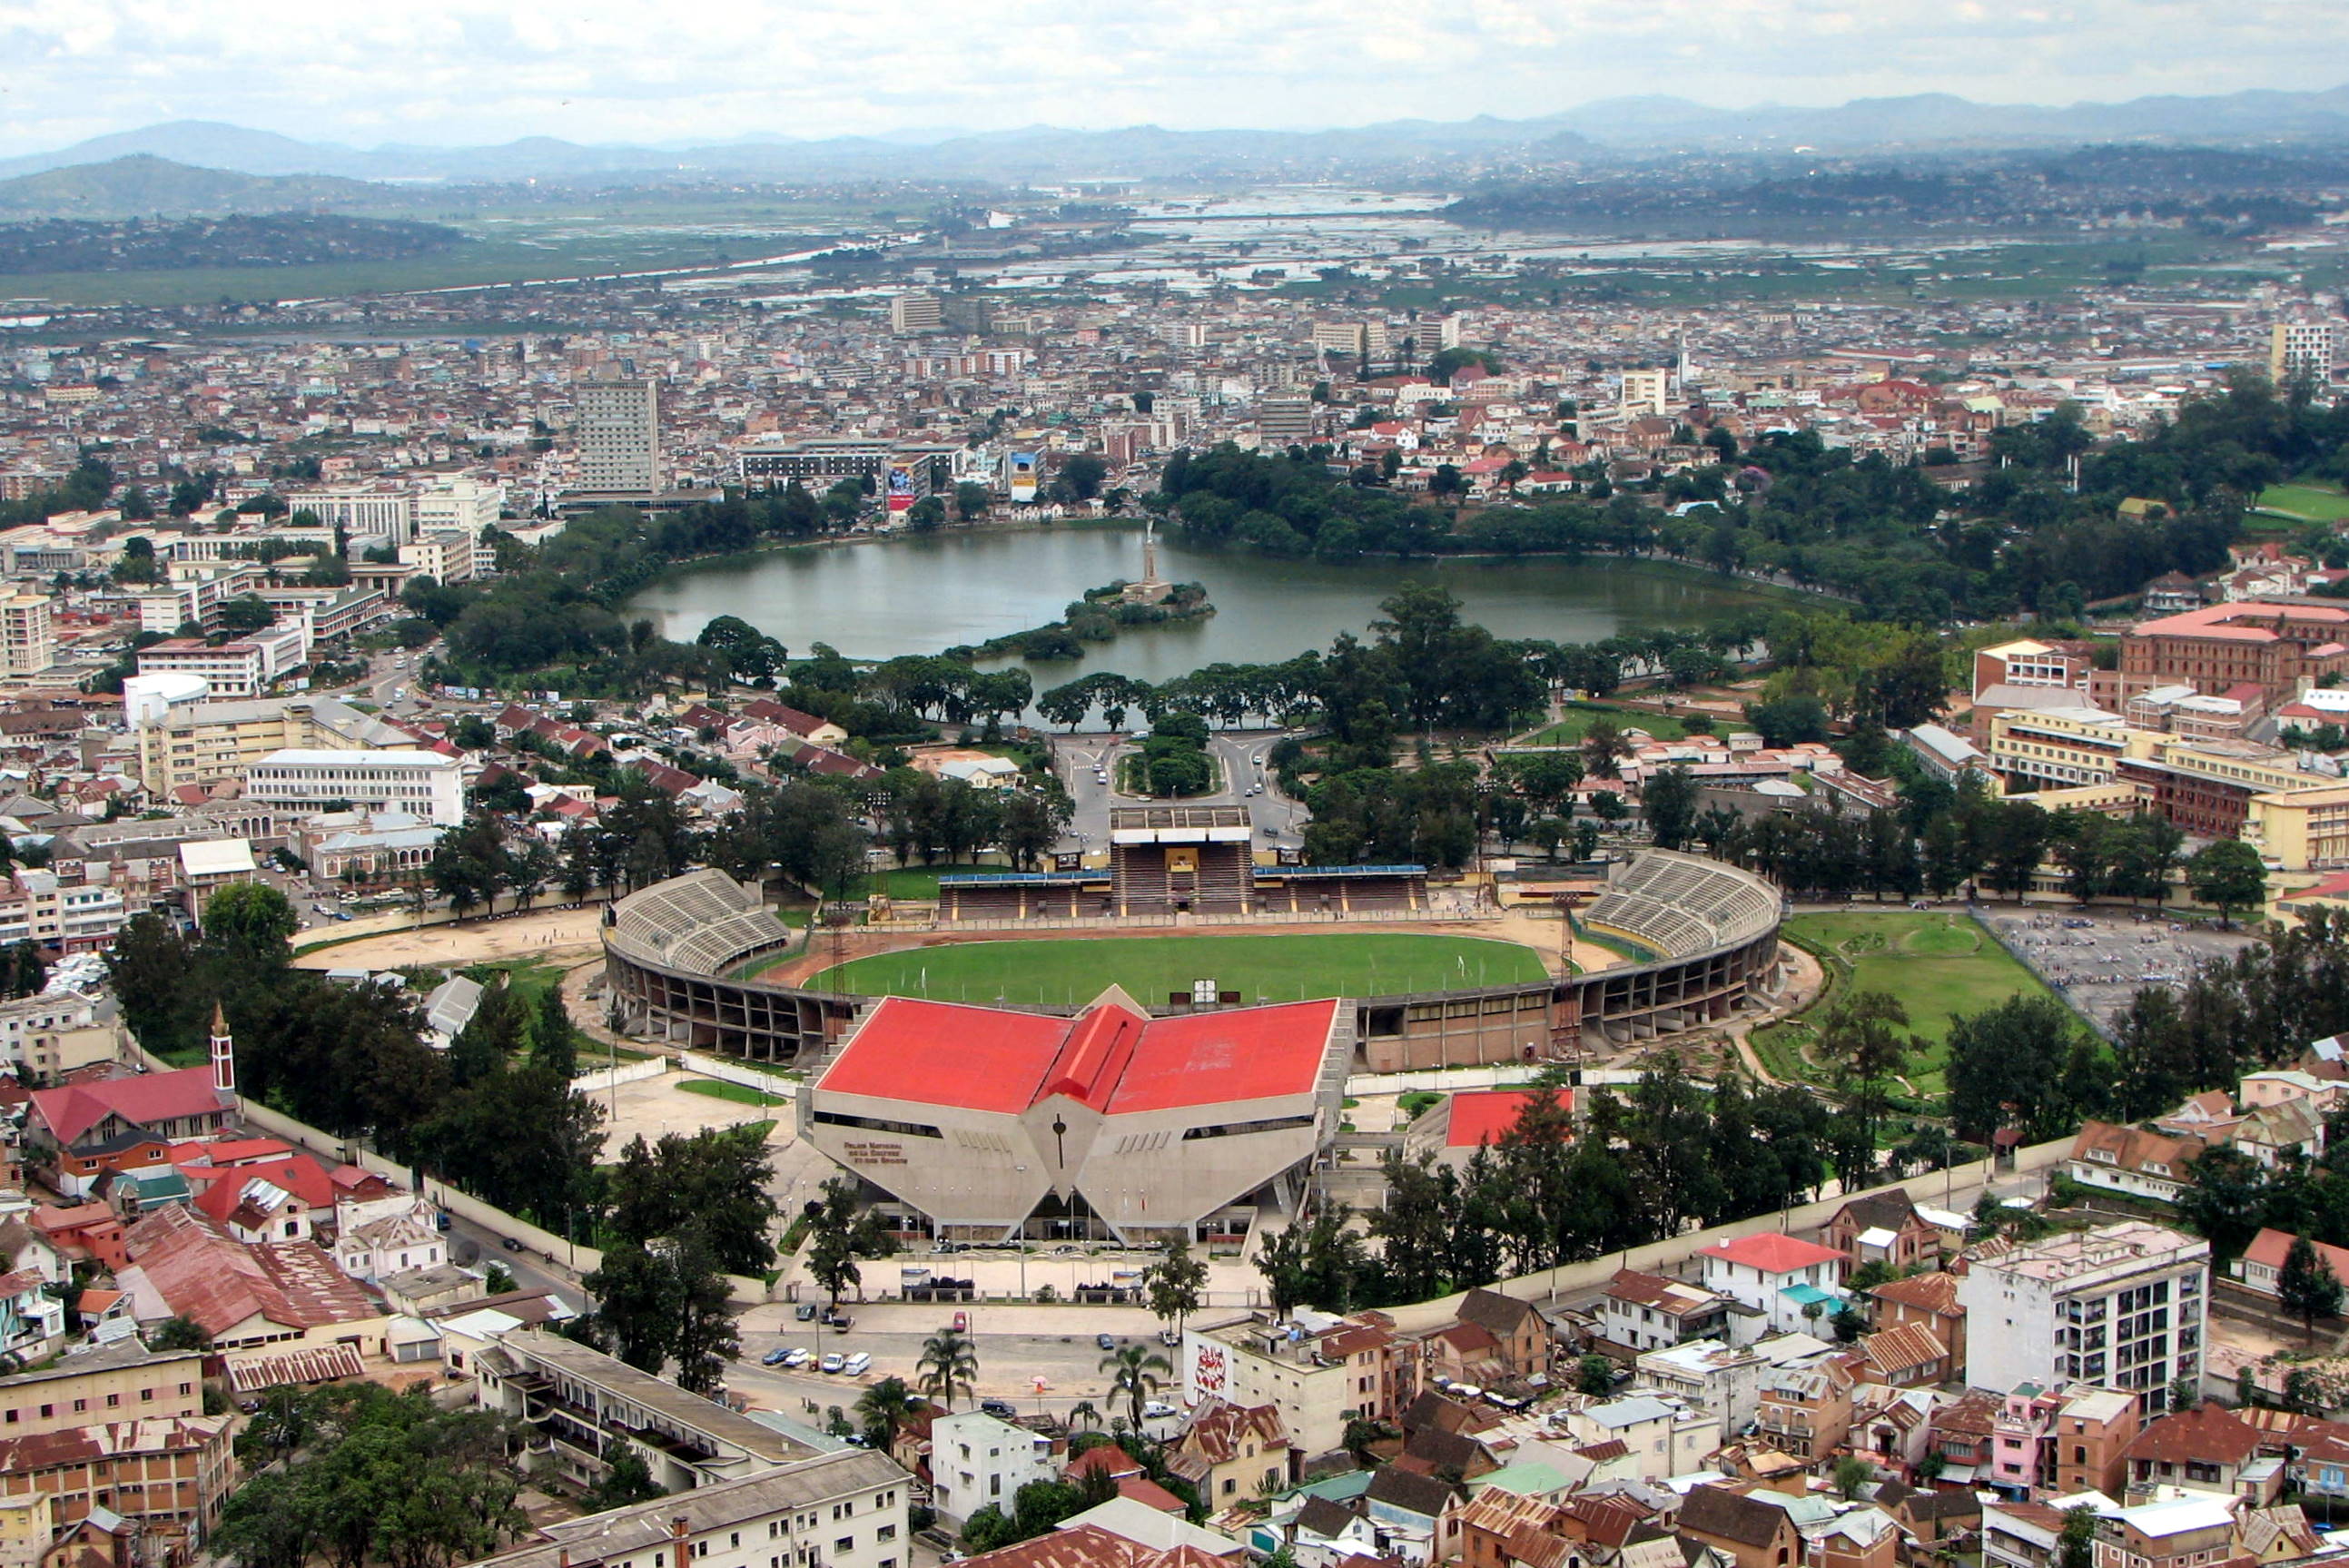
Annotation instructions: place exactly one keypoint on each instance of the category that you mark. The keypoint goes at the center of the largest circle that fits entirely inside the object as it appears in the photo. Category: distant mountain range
(1606, 130)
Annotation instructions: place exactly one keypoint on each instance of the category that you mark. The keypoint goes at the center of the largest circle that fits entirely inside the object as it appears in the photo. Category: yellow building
(2301, 830)
(26, 1528)
(197, 743)
(121, 1383)
(2064, 748)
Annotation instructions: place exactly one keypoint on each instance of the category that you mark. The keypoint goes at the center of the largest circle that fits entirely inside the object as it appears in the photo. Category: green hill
(144, 186)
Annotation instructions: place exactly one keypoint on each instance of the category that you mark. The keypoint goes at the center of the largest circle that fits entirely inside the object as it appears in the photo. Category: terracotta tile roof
(1936, 1293)
(1904, 1350)
(2132, 1149)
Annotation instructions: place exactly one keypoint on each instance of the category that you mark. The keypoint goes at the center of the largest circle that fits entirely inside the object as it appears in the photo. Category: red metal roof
(943, 1053)
(1772, 1252)
(1111, 1058)
(1484, 1114)
(142, 1100)
(1248, 1053)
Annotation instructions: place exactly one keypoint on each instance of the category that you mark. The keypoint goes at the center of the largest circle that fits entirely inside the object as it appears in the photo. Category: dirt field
(552, 933)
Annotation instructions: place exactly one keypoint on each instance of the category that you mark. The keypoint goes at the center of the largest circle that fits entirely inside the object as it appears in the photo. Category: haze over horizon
(456, 72)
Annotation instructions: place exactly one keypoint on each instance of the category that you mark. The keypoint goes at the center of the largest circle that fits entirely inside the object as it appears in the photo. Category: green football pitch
(1274, 968)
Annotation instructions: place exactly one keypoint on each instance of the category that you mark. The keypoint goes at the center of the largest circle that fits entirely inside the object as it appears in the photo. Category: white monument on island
(1152, 589)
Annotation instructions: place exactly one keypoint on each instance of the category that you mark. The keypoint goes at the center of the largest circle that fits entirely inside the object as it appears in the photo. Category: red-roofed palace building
(976, 1122)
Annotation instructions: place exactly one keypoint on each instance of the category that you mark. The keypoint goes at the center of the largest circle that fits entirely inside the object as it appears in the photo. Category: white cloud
(450, 71)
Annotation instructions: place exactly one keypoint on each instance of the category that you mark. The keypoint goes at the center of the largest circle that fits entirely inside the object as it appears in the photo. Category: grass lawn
(527, 978)
(718, 1089)
(1151, 968)
(1580, 716)
(917, 883)
(2310, 499)
(1938, 965)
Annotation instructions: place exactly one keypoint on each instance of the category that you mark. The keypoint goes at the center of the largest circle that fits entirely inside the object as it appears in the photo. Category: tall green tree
(841, 1231)
(2230, 874)
(1173, 1282)
(2306, 1286)
(948, 1367)
(1134, 1371)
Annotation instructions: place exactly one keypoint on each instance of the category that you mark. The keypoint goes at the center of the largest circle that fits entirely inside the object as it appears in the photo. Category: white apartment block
(28, 637)
(242, 668)
(619, 436)
(459, 505)
(975, 1460)
(194, 595)
(2123, 1306)
(424, 784)
(916, 313)
(373, 512)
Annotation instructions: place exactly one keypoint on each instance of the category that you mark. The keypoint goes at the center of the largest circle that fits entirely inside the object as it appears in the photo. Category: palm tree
(949, 1363)
(880, 1407)
(1083, 1416)
(1134, 1372)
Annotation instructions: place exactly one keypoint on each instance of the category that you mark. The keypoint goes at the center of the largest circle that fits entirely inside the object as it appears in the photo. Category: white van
(858, 1365)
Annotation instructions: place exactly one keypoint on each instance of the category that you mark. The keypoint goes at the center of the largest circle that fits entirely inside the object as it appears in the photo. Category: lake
(878, 600)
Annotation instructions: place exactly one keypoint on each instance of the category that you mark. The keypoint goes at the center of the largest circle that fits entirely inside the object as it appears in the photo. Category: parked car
(1106, 1341)
(858, 1365)
(833, 1361)
(1169, 1338)
(797, 1356)
(962, 1322)
(804, 1312)
(1001, 1409)
(775, 1358)
(1158, 1410)
(838, 1321)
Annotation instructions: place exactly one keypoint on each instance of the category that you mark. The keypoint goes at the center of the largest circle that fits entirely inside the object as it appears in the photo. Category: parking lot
(2099, 958)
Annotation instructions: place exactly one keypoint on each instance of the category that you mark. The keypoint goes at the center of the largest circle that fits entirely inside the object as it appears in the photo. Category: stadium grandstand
(1709, 932)
(1170, 860)
(1675, 905)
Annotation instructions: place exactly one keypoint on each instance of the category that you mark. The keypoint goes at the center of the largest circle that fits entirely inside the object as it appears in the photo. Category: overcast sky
(454, 71)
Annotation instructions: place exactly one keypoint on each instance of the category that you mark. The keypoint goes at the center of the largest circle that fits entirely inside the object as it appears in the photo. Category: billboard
(1025, 468)
(900, 487)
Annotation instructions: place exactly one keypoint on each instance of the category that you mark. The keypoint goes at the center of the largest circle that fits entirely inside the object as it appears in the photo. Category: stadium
(1085, 1114)
(684, 961)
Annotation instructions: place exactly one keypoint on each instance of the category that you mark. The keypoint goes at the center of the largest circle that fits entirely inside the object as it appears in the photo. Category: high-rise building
(28, 639)
(1647, 391)
(2297, 349)
(915, 312)
(2123, 1306)
(619, 436)
(1285, 421)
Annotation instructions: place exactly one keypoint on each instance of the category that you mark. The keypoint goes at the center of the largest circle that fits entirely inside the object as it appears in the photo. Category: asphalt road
(1009, 1365)
(1238, 756)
